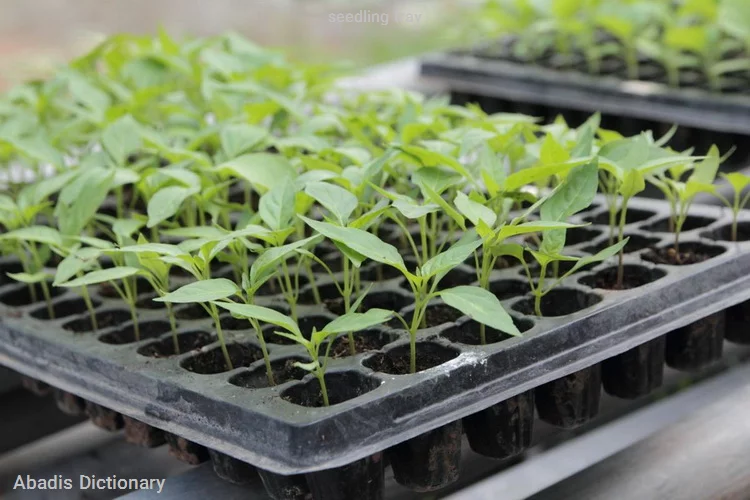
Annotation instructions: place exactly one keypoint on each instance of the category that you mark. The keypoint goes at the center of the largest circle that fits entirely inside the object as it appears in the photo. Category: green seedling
(350, 322)
(739, 183)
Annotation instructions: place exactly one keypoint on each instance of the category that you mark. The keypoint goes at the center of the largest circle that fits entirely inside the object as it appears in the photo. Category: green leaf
(411, 209)
(481, 306)
(506, 232)
(37, 234)
(260, 313)
(102, 276)
(122, 138)
(166, 202)
(474, 211)
(552, 152)
(157, 248)
(353, 322)
(705, 171)
(531, 175)
(577, 193)
(37, 277)
(201, 291)
(734, 18)
(455, 255)
(361, 242)
(632, 184)
(237, 139)
(81, 199)
(268, 260)
(337, 200)
(264, 170)
(738, 181)
(600, 256)
(276, 207)
(308, 367)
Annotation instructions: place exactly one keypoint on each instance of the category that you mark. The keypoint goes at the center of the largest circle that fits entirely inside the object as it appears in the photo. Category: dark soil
(361, 480)
(126, 335)
(634, 215)
(283, 371)
(430, 461)
(104, 319)
(306, 325)
(636, 372)
(503, 430)
(692, 222)
(230, 323)
(634, 244)
(634, 276)
(10, 267)
(191, 311)
(724, 233)
(435, 315)
(397, 361)
(148, 302)
(188, 341)
(468, 332)
(64, 309)
(698, 344)
(342, 386)
(559, 302)
(578, 235)
(364, 341)
(571, 400)
(508, 289)
(109, 291)
(690, 253)
(21, 296)
(212, 361)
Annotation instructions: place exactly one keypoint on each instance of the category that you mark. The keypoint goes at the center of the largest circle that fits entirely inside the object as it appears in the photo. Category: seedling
(681, 194)
(350, 322)
(475, 302)
(739, 182)
(204, 293)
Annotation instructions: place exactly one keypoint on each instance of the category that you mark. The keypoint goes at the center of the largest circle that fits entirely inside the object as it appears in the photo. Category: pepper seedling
(681, 194)
(739, 182)
(475, 302)
(350, 322)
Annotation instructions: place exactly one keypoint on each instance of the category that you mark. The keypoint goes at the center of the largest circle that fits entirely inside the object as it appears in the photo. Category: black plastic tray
(259, 427)
(506, 79)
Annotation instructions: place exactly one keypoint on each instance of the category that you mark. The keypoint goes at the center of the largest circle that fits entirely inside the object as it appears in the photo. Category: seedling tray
(261, 427)
(501, 77)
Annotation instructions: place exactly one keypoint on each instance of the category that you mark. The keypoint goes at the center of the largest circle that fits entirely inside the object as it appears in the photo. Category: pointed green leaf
(340, 202)
(481, 306)
(276, 207)
(361, 242)
(264, 170)
(166, 202)
(263, 314)
(353, 322)
(201, 291)
(102, 276)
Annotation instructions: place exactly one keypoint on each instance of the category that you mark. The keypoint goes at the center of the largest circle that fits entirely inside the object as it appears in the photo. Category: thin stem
(89, 307)
(43, 284)
(423, 236)
(173, 327)
(347, 302)
(130, 299)
(621, 234)
(220, 334)
(264, 349)
(539, 291)
(320, 374)
(313, 284)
